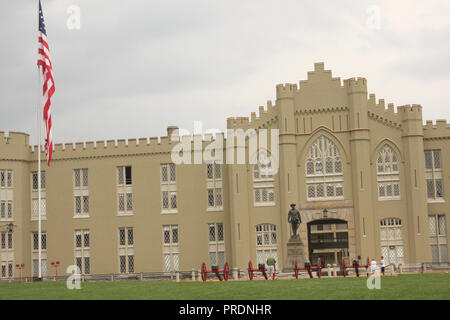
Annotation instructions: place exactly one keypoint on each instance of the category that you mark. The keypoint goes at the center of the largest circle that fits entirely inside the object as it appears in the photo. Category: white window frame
(168, 188)
(127, 250)
(6, 195)
(35, 196)
(388, 174)
(83, 251)
(391, 240)
(216, 244)
(35, 252)
(263, 183)
(170, 248)
(124, 192)
(269, 248)
(81, 192)
(433, 174)
(438, 236)
(214, 186)
(323, 154)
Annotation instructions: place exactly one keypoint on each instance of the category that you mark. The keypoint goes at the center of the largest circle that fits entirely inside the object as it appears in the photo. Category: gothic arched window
(324, 174)
(388, 176)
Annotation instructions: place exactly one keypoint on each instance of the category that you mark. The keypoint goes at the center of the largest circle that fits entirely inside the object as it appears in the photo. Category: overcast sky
(136, 66)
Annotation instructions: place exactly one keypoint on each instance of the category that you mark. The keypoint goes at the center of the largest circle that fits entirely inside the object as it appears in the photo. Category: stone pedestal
(295, 251)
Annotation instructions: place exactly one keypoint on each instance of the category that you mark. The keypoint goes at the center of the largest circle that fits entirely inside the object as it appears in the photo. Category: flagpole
(39, 170)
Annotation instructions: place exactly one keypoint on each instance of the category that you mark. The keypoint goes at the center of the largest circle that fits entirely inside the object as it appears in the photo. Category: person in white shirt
(383, 264)
(373, 266)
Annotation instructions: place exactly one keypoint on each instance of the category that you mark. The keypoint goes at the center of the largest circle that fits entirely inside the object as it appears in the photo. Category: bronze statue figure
(294, 219)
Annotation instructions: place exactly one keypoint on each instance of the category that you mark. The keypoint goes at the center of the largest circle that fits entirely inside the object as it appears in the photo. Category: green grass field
(417, 286)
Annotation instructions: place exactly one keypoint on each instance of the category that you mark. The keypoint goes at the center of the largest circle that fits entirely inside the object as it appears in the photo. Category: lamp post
(56, 264)
(20, 267)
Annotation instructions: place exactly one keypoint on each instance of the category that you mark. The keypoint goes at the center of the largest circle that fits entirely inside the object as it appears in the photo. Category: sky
(128, 69)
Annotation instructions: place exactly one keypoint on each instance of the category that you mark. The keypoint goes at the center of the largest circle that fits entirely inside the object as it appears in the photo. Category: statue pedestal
(295, 251)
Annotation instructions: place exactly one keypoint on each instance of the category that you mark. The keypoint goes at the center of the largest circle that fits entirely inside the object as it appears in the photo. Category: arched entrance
(328, 240)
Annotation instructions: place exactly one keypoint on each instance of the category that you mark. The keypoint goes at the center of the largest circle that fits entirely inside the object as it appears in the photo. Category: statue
(294, 219)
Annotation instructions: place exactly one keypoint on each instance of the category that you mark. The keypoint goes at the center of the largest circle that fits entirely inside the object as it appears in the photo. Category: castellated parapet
(441, 130)
(379, 112)
(411, 117)
(356, 85)
(286, 91)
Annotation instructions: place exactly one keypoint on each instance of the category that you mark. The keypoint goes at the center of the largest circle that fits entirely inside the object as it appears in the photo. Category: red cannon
(356, 266)
(309, 268)
(261, 268)
(217, 271)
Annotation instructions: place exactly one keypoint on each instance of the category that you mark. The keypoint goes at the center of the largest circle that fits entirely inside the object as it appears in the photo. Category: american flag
(45, 64)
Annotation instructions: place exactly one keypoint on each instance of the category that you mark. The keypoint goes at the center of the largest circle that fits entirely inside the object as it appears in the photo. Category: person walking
(271, 267)
(383, 265)
(373, 266)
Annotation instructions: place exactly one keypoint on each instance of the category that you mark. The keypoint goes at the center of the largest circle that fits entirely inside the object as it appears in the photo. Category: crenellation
(110, 144)
(154, 141)
(441, 130)
(121, 143)
(356, 85)
(100, 144)
(164, 141)
(90, 146)
(390, 108)
(441, 124)
(286, 90)
(143, 141)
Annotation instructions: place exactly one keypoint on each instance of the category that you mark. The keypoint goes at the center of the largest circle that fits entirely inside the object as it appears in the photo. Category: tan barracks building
(123, 207)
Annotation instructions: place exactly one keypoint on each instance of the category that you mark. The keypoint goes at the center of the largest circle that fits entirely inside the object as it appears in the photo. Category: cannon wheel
(226, 271)
(296, 269)
(204, 272)
(250, 270)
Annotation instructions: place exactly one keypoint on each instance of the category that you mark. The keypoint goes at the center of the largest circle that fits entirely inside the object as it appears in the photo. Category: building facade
(125, 207)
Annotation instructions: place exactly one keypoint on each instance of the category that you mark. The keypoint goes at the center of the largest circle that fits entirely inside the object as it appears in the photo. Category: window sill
(325, 199)
(264, 204)
(169, 212)
(124, 214)
(214, 209)
(389, 199)
(435, 200)
(81, 217)
(42, 219)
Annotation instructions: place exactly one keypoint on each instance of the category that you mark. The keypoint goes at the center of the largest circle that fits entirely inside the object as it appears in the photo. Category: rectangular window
(438, 238)
(216, 244)
(126, 250)
(433, 173)
(170, 243)
(124, 191)
(82, 252)
(35, 180)
(168, 188)
(36, 241)
(214, 187)
(6, 179)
